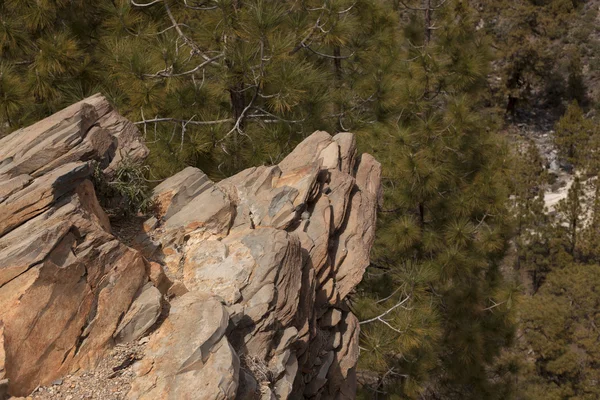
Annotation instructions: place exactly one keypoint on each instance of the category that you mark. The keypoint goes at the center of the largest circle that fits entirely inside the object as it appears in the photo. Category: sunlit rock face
(241, 285)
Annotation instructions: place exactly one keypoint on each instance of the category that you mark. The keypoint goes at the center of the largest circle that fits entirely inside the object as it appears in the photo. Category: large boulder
(189, 357)
(65, 280)
(281, 247)
(241, 285)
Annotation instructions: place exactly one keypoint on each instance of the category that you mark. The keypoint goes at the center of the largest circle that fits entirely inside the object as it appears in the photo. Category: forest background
(480, 112)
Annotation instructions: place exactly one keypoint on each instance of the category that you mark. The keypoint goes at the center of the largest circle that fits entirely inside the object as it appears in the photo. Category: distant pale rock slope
(243, 284)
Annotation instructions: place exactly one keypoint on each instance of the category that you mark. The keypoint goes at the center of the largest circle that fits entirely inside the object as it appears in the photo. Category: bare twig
(145, 4)
(180, 121)
(186, 39)
(199, 7)
(327, 55)
(268, 114)
(166, 73)
(389, 310)
(495, 305)
(389, 297)
(347, 9)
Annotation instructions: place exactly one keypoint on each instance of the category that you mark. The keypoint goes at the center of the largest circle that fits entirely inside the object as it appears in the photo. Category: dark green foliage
(47, 49)
(572, 211)
(560, 251)
(221, 86)
(560, 323)
(131, 183)
(443, 230)
(236, 83)
(539, 61)
(576, 90)
(573, 133)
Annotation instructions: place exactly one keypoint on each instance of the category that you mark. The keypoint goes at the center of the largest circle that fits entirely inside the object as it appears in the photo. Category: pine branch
(145, 4)
(180, 121)
(186, 39)
(389, 297)
(389, 310)
(241, 118)
(347, 9)
(495, 305)
(327, 55)
(166, 73)
(311, 32)
(277, 119)
(200, 7)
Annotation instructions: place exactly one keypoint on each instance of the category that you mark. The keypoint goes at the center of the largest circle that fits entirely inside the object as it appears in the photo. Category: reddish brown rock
(297, 243)
(2, 354)
(61, 306)
(244, 289)
(353, 245)
(189, 357)
(177, 191)
(65, 281)
(40, 195)
(158, 277)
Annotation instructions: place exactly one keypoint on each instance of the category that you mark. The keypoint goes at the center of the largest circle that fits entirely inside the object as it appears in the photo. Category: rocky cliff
(236, 289)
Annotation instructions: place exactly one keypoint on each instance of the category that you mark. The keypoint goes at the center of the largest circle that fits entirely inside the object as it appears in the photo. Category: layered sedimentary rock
(241, 285)
(65, 281)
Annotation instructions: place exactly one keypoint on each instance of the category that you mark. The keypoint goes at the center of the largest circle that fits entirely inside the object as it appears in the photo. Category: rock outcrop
(241, 285)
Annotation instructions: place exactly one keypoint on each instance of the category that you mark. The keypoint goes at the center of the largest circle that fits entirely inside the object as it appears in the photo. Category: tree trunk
(7, 116)
(236, 94)
(428, 12)
(511, 106)
(238, 104)
(337, 67)
(337, 62)
(573, 234)
(427, 39)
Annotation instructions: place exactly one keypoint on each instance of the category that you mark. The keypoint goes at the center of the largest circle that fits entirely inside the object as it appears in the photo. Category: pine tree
(560, 325)
(557, 318)
(576, 88)
(531, 221)
(443, 230)
(572, 135)
(590, 235)
(234, 83)
(589, 238)
(47, 52)
(526, 35)
(571, 210)
(216, 84)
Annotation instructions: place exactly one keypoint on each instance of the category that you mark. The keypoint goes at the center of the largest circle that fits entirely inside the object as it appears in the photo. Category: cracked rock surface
(237, 289)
